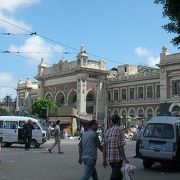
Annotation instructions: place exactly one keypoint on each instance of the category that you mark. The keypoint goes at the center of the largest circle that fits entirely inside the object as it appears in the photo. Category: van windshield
(157, 130)
(41, 125)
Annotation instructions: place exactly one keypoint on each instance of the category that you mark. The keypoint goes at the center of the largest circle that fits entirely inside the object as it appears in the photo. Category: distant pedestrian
(113, 149)
(81, 131)
(88, 151)
(102, 132)
(138, 142)
(57, 136)
(27, 129)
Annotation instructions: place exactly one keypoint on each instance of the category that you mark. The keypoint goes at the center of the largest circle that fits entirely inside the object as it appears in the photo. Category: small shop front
(68, 125)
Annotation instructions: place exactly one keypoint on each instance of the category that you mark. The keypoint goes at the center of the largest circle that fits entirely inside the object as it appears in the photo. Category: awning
(63, 120)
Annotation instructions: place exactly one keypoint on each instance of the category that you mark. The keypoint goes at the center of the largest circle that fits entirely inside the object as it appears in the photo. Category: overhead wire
(13, 34)
(12, 53)
(36, 52)
(54, 41)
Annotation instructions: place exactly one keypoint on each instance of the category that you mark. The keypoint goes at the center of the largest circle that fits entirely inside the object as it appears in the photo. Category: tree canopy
(3, 111)
(172, 11)
(40, 107)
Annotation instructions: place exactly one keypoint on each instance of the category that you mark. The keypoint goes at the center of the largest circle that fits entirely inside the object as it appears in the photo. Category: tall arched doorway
(90, 103)
(72, 99)
(60, 99)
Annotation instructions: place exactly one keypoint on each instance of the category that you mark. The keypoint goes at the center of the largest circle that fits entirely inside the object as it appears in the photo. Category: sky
(120, 32)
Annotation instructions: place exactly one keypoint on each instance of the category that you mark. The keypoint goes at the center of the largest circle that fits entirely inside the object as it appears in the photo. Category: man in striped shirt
(113, 149)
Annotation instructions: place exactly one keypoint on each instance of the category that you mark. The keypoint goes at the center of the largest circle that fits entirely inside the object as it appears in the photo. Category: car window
(157, 130)
(21, 124)
(1, 124)
(178, 130)
(10, 125)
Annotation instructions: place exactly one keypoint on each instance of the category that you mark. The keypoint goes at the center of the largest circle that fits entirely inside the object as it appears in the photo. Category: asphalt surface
(39, 164)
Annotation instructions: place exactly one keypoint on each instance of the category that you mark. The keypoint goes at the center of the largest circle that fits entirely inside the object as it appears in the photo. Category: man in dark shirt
(88, 151)
(27, 128)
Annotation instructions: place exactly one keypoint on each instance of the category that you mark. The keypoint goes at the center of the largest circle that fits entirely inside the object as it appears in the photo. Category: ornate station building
(85, 89)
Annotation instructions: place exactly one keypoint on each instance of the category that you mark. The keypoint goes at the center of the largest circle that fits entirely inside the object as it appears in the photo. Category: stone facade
(93, 91)
(27, 93)
(142, 92)
(79, 84)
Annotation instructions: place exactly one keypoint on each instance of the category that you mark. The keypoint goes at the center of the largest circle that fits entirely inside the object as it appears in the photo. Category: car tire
(147, 163)
(7, 144)
(34, 144)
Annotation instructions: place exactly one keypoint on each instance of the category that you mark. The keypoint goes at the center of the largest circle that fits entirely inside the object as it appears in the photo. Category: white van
(161, 141)
(11, 129)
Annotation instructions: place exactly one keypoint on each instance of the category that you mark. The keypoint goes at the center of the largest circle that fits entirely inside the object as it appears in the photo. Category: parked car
(161, 141)
(11, 130)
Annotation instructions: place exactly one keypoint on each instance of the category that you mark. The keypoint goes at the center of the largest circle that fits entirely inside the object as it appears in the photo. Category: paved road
(38, 164)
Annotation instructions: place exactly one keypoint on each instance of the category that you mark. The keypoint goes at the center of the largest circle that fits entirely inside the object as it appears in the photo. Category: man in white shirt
(57, 135)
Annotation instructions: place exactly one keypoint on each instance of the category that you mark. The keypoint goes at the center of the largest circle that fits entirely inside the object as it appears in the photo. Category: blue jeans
(89, 170)
(116, 170)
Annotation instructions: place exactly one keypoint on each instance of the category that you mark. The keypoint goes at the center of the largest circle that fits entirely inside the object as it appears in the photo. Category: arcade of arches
(71, 100)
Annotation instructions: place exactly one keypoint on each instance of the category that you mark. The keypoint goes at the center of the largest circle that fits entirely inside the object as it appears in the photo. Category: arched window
(90, 102)
(140, 113)
(89, 97)
(72, 99)
(116, 112)
(157, 111)
(124, 113)
(150, 113)
(60, 100)
(132, 112)
(48, 96)
(175, 111)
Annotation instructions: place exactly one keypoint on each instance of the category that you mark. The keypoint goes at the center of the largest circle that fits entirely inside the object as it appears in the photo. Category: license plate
(156, 145)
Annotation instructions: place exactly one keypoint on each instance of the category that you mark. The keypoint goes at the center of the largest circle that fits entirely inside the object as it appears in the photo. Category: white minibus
(11, 130)
(161, 141)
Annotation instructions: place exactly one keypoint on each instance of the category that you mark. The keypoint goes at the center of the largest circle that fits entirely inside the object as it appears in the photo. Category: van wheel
(178, 164)
(147, 163)
(34, 144)
(7, 144)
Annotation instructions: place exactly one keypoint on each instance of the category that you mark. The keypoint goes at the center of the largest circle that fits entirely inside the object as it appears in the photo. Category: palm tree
(8, 101)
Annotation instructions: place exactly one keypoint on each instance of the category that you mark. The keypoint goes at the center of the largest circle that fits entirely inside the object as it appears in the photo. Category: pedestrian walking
(88, 146)
(138, 142)
(113, 149)
(81, 131)
(27, 129)
(57, 136)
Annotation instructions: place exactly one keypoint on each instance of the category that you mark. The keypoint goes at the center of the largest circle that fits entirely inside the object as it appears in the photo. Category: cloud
(7, 85)
(10, 28)
(142, 52)
(12, 5)
(7, 8)
(33, 44)
(152, 61)
(35, 48)
(147, 56)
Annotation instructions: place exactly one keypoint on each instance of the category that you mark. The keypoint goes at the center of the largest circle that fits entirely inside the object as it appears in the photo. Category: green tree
(41, 106)
(9, 103)
(3, 111)
(172, 11)
(7, 100)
